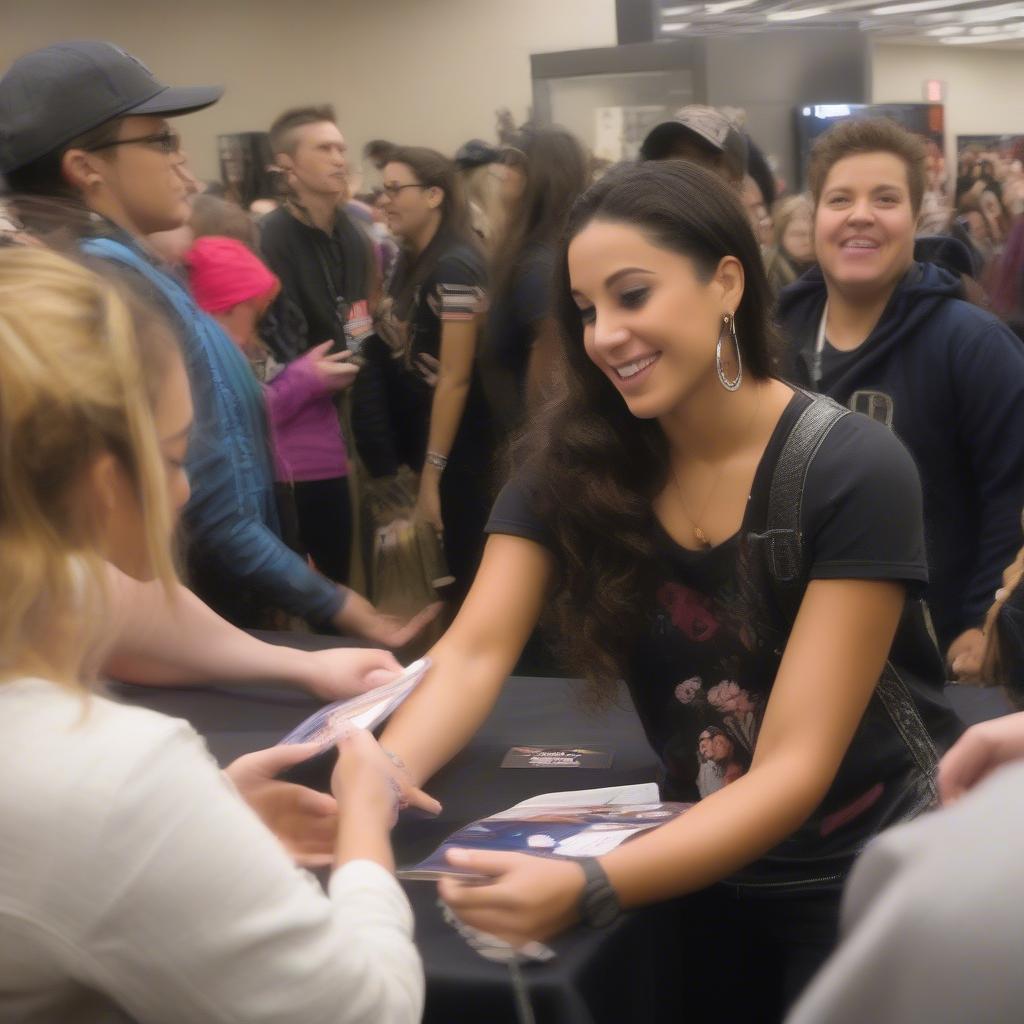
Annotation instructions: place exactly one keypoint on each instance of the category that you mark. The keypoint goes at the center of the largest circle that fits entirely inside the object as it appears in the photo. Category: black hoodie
(949, 379)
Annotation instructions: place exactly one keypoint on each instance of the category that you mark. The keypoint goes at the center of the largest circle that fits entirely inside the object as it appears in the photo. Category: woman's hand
(428, 368)
(371, 785)
(966, 656)
(1011, 581)
(428, 501)
(334, 371)
(303, 820)
(524, 898)
(358, 617)
(977, 753)
(348, 671)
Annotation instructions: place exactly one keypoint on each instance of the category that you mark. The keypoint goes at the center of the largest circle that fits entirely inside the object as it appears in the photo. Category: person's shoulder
(858, 445)
(278, 226)
(801, 301)
(963, 324)
(517, 510)
(461, 263)
(58, 739)
(973, 341)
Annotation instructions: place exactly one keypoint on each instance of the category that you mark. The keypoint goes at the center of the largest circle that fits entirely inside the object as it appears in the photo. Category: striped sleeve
(460, 301)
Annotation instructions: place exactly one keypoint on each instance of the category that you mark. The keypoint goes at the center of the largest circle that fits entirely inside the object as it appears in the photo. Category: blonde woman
(792, 251)
(130, 871)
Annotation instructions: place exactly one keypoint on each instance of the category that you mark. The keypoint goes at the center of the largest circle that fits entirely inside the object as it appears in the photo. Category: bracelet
(433, 459)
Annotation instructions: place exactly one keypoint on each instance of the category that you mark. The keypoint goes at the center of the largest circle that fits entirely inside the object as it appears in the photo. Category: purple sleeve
(296, 386)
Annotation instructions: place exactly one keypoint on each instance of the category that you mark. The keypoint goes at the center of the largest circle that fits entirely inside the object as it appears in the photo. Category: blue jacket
(231, 516)
(949, 379)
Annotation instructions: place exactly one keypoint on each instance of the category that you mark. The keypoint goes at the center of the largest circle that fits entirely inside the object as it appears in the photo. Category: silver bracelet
(433, 459)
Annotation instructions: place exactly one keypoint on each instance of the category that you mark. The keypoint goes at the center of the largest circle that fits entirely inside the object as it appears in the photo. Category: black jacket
(949, 379)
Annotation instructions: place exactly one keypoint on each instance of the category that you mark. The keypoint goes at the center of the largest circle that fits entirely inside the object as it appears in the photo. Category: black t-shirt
(512, 324)
(835, 362)
(328, 277)
(452, 290)
(701, 677)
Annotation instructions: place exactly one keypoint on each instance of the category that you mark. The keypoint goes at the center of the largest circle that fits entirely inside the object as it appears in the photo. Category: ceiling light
(727, 5)
(945, 30)
(996, 37)
(983, 30)
(917, 5)
(797, 15)
(674, 26)
(678, 12)
(1004, 13)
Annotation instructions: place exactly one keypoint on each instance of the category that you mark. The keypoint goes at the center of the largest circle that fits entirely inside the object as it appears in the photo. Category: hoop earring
(728, 320)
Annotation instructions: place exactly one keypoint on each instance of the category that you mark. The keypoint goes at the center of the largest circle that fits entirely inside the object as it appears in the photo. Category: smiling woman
(894, 338)
(638, 515)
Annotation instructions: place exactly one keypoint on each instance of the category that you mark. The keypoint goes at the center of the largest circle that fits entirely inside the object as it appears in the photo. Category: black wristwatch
(599, 905)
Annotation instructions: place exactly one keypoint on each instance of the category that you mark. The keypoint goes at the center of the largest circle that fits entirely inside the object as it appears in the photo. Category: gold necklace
(698, 534)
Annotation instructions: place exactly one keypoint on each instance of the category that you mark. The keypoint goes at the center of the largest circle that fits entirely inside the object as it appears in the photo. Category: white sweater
(132, 873)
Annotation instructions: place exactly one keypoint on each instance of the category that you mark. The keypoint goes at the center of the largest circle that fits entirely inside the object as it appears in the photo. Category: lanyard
(819, 347)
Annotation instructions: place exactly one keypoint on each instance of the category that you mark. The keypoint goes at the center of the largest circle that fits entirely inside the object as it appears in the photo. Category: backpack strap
(782, 542)
(786, 562)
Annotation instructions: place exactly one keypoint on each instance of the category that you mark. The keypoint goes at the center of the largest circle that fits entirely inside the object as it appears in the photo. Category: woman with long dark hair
(646, 514)
(521, 331)
(437, 295)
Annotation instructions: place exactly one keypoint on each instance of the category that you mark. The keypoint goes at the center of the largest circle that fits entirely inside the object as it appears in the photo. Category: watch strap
(599, 904)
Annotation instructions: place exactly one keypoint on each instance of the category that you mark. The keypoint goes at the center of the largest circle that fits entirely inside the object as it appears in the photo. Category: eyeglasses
(392, 190)
(167, 142)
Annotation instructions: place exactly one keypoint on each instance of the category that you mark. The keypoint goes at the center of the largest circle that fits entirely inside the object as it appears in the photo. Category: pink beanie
(224, 273)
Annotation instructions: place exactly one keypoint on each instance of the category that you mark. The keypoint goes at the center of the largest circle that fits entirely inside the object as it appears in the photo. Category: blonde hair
(79, 372)
(486, 207)
(786, 210)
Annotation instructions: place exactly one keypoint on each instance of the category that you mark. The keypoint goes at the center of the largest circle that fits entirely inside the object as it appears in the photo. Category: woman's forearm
(361, 838)
(446, 413)
(719, 835)
(471, 662)
(175, 638)
(444, 712)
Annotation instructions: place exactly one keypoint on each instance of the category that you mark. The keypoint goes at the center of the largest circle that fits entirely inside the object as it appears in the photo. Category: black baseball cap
(50, 96)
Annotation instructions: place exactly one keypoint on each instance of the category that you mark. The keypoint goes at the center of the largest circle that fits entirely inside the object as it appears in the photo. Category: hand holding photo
(366, 711)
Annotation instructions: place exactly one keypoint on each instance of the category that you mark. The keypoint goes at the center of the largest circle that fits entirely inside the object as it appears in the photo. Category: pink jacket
(304, 425)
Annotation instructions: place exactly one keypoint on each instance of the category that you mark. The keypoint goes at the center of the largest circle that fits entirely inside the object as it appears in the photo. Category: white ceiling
(947, 22)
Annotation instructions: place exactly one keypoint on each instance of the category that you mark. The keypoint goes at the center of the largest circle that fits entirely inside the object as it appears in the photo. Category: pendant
(701, 537)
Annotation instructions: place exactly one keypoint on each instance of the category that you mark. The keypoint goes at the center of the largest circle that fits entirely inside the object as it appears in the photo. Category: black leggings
(325, 524)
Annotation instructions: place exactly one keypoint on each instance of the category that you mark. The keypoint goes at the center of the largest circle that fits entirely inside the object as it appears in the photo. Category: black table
(623, 974)
(633, 972)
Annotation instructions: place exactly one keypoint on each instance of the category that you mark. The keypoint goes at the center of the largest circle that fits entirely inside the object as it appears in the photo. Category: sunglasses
(167, 142)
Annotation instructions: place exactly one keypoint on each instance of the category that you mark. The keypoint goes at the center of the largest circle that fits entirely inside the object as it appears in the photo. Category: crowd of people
(758, 456)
